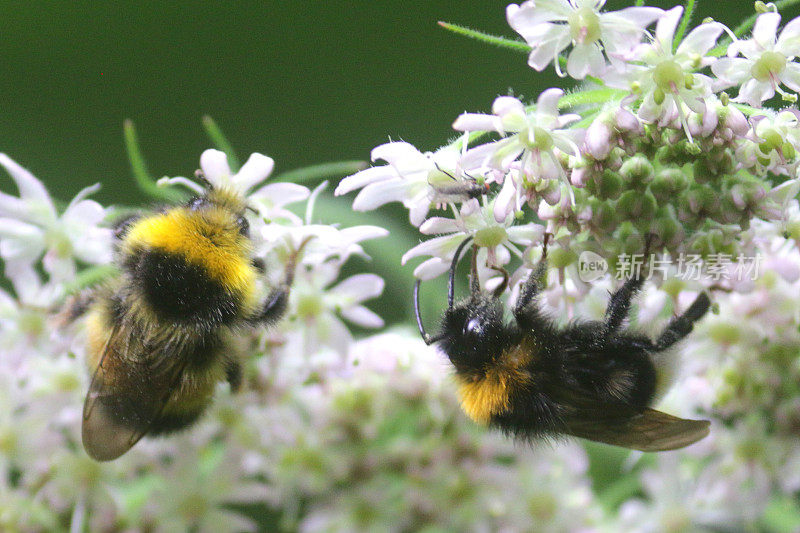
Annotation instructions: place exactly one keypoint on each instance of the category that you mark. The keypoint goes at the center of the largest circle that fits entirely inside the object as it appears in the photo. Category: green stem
(214, 133)
(746, 109)
(496, 40)
(687, 17)
(318, 173)
(139, 167)
(639, 3)
(590, 97)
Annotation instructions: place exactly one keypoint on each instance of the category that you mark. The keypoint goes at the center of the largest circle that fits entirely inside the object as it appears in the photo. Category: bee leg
(76, 306)
(278, 299)
(259, 265)
(620, 303)
(525, 310)
(274, 308)
(681, 326)
(233, 373)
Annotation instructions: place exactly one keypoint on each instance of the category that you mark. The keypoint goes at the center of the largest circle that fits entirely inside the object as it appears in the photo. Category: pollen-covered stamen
(584, 25)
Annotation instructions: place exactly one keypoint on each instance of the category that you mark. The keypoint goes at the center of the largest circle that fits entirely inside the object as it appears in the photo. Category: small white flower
(666, 80)
(550, 26)
(411, 177)
(30, 227)
(316, 306)
(767, 61)
(535, 138)
(499, 238)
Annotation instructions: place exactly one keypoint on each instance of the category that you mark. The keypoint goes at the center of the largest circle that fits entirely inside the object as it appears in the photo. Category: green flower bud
(667, 228)
(637, 170)
(637, 206)
(604, 216)
(611, 185)
(668, 183)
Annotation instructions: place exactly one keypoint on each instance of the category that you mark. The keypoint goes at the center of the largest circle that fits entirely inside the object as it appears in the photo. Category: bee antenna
(451, 286)
(425, 337)
(251, 209)
(474, 282)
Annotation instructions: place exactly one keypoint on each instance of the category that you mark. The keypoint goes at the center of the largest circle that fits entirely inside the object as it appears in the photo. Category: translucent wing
(582, 415)
(648, 431)
(128, 392)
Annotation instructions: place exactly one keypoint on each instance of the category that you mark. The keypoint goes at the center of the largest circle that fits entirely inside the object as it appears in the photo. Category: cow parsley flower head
(551, 26)
(768, 62)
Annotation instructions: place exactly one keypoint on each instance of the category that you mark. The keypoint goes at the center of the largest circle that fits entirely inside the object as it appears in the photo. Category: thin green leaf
(687, 17)
(139, 167)
(317, 173)
(496, 40)
(214, 133)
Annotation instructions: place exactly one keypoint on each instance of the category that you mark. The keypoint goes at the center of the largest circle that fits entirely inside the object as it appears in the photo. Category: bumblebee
(161, 334)
(594, 379)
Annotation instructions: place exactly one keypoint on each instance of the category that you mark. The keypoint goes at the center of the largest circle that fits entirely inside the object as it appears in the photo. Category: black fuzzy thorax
(179, 291)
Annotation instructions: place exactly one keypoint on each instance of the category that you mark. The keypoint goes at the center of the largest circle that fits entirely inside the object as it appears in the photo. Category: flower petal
(360, 287)
(765, 29)
(700, 40)
(362, 316)
(280, 194)
(214, 165)
(665, 29)
(365, 177)
(257, 168)
(30, 188)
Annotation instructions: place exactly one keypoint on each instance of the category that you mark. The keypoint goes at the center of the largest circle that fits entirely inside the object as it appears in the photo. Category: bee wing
(128, 392)
(648, 431)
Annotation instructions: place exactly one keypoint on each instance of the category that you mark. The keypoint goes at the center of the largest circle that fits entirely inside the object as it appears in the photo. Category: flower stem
(687, 17)
(221, 142)
(139, 167)
(502, 42)
(639, 3)
(590, 97)
(317, 173)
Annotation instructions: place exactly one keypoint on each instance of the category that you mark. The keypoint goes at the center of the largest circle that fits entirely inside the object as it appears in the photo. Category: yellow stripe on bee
(208, 241)
(489, 394)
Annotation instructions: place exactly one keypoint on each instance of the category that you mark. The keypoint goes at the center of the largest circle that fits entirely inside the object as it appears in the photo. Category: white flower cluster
(651, 144)
(46, 480)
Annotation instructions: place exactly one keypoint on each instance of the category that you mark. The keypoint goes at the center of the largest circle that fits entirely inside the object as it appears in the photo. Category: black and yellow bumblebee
(161, 334)
(533, 379)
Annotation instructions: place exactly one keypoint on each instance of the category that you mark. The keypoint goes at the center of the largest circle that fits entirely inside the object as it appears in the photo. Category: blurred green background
(304, 82)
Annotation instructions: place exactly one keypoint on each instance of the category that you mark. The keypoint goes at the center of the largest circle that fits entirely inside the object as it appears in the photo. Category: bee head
(472, 330)
(222, 204)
